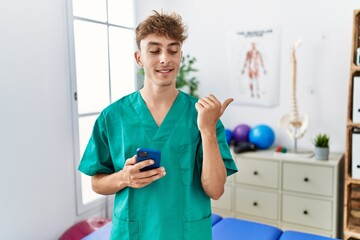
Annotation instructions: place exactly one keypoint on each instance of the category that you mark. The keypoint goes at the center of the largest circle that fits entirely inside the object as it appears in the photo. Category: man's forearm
(107, 184)
(213, 175)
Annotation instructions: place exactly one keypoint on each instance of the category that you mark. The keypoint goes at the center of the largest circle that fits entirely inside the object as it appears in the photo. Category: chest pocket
(186, 163)
(185, 147)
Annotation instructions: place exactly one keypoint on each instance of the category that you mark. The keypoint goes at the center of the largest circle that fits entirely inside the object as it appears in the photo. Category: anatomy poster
(253, 59)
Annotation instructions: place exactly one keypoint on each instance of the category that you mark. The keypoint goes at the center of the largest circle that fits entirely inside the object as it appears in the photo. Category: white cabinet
(257, 203)
(287, 191)
(310, 212)
(308, 178)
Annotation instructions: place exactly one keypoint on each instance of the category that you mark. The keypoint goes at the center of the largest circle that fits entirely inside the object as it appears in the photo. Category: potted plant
(321, 143)
(184, 80)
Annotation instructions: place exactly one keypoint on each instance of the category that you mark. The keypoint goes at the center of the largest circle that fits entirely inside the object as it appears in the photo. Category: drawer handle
(255, 204)
(305, 212)
(306, 179)
(358, 166)
(255, 173)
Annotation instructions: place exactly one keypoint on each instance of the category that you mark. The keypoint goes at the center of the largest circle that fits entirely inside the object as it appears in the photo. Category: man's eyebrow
(174, 44)
(154, 44)
(159, 44)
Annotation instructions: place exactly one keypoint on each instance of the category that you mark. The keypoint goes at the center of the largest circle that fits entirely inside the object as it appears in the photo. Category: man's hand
(130, 176)
(134, 178)
(213, 174)
(210, 109)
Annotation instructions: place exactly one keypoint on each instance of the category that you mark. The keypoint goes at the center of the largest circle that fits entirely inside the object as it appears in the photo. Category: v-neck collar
(154, 131)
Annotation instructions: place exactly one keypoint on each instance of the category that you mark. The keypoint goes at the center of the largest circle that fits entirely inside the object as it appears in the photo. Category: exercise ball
(241, 133)
(228, 134)
(262, 136)
(84, 228)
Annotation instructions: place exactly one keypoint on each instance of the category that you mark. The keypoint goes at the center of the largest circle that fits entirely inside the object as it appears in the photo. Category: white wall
(37, 192)
(37, 198)
(323, 59)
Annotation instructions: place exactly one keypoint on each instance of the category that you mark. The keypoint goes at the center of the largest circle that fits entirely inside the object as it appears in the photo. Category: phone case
(148, 153)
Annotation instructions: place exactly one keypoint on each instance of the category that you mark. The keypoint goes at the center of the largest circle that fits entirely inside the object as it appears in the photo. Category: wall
(37, 170)
(37, 179)
(323, 58)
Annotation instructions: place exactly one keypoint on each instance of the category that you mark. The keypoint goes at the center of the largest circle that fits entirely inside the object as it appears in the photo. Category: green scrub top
(174, 207)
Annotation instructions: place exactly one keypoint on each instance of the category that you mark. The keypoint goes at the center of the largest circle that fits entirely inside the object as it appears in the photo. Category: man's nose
(164, 58)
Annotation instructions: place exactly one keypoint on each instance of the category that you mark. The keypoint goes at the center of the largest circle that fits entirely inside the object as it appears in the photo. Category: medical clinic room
(180, 120)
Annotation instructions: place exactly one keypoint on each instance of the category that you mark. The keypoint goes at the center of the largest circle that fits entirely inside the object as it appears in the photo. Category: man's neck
(159, 102)
(159, 96)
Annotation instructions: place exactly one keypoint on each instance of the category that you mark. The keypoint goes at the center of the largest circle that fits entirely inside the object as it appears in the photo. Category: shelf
(350, 180)
(350, 234)
(355, 68)
(353, 125)
(351, 228)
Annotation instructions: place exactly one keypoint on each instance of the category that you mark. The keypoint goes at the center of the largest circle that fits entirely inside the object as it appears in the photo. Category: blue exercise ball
(228, 134)
(262, 136)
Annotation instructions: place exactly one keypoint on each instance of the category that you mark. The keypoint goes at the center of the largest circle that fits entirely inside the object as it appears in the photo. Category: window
(102, 71)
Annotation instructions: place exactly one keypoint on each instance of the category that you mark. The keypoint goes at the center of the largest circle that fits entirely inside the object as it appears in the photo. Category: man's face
(160, 57)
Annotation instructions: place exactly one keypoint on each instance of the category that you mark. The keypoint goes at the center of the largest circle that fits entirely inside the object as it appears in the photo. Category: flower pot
(321, 153)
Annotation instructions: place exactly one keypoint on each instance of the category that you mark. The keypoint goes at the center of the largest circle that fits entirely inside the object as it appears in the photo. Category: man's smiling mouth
(164, 70)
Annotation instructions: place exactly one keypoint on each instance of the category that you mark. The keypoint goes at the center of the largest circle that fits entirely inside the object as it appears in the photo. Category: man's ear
(137, 57)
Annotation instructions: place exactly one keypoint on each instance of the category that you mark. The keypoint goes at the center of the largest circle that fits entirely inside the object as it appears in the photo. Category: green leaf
(322, 140)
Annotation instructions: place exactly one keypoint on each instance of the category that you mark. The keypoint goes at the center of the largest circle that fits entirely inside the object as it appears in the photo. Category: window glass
(92, 71)
(121, 12)
(103, 70)
(121, 62)
(91, 9)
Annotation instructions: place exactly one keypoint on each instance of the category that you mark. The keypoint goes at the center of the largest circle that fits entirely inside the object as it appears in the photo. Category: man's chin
(166, 85)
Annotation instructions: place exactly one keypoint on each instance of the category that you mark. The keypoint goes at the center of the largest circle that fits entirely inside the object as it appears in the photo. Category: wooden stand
(352, 186)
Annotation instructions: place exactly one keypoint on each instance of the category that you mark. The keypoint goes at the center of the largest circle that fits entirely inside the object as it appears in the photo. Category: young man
(173, 201)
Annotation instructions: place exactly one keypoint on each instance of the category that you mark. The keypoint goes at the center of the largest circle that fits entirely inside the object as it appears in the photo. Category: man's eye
(173, 52)
(154, 52)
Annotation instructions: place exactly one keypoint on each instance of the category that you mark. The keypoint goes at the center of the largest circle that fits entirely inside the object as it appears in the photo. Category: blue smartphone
(148, 153)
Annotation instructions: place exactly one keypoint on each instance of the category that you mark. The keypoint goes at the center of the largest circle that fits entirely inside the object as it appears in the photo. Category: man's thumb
(226, 104)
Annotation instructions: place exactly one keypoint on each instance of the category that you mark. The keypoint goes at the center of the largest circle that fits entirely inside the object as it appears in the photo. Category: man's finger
(226, 104)
(203, 102)
(145, 163)
(131, 161)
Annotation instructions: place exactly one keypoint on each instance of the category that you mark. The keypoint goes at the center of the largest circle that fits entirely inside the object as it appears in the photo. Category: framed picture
(254, 59)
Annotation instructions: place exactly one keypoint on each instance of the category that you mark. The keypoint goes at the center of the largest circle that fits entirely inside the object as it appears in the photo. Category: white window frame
(102, 202)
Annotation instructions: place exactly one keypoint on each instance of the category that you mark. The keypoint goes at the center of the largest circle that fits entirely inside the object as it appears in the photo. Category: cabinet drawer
(258, 172)
(308, 179)
(308, 212)
(257, 203)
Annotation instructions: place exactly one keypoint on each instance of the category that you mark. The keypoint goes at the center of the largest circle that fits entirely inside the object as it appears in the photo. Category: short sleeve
(97, 158)
(225, 149)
